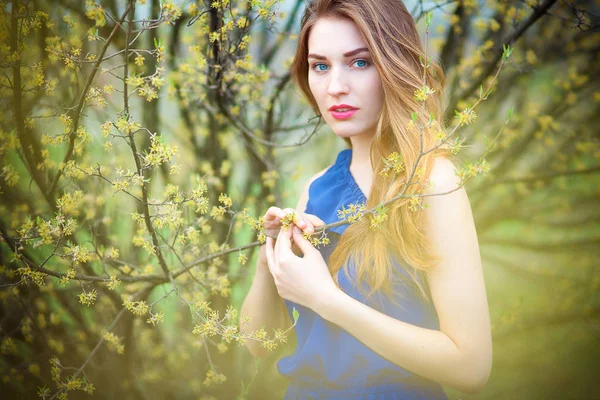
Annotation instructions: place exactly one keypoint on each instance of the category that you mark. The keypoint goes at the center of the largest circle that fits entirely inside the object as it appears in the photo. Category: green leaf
(296, 314)
(487, 94)
(381, 209)
(414, 116)
(507, 51)
(428, 17)
(510, 111)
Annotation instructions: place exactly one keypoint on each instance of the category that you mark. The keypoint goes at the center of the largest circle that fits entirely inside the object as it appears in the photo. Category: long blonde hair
(394, 44)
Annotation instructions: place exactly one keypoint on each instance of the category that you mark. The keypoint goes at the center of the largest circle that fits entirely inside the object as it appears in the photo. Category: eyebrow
(348, 54)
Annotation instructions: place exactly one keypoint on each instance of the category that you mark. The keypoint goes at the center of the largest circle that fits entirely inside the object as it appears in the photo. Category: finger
(270, 255)
(309, 228)
(274, 237)
(275, 212)
(314, 220)
(303, 244)
(288, 210)
(284, 243)
(300, 220)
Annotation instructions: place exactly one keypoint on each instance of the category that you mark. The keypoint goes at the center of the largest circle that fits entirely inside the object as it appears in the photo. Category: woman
(396, 311)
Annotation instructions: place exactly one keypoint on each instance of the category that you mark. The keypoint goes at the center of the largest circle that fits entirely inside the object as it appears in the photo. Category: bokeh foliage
(140, 142)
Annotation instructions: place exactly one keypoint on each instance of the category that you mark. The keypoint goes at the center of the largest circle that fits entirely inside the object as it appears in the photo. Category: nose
(337, 84)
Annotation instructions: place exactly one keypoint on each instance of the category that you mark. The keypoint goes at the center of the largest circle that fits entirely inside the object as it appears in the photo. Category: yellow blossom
(225, 200)
(88, 298)
(466, 116)
(114, 343)
(422, 93)
(213, 378)
(156, 318)
(136, 307)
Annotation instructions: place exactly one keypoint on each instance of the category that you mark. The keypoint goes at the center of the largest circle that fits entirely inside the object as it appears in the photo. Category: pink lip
(343, 114)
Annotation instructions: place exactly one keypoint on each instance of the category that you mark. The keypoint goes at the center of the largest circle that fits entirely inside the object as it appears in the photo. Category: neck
(360, 154)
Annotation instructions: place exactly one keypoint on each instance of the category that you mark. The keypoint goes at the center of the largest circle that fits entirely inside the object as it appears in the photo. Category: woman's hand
(272, 226)
(305, 281)
(274, 215)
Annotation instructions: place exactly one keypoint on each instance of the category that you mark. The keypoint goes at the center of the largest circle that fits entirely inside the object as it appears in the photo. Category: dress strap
(343, 158)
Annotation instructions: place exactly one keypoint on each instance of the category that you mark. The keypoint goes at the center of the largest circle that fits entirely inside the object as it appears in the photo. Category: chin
(346, 131)
(344, 136)
(349, 130)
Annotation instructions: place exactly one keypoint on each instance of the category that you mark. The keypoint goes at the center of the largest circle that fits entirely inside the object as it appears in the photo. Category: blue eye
(316, 67)
(361, 63)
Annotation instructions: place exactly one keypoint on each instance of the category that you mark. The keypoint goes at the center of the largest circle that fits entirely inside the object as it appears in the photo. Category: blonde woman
(397, 311)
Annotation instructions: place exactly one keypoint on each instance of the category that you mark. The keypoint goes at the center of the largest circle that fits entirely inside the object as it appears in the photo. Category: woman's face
(343, 79)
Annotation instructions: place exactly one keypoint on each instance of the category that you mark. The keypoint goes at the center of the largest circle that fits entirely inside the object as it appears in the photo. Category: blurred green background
(209, 101)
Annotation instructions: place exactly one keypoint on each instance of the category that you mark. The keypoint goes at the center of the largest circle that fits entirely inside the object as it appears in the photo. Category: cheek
(316, 88)
(375, 90)
(371, 94)
(314, 84)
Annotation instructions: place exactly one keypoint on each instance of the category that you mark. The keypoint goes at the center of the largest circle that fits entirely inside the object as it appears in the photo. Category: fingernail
(296, 230)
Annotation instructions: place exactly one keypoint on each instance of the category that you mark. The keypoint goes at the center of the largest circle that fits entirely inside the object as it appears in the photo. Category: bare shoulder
(303, 201)
(443, 176)
(445, 198)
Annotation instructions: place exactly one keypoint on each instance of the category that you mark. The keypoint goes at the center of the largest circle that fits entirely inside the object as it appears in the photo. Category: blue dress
(330, 363)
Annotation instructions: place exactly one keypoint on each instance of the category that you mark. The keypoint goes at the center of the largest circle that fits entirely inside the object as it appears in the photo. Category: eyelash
(314, 66)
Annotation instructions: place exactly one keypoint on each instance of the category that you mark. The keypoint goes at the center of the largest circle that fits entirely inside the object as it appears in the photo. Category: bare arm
(265, 308)
(263, 304)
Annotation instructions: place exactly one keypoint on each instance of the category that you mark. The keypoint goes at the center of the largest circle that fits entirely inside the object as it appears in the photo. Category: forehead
(334, 35)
